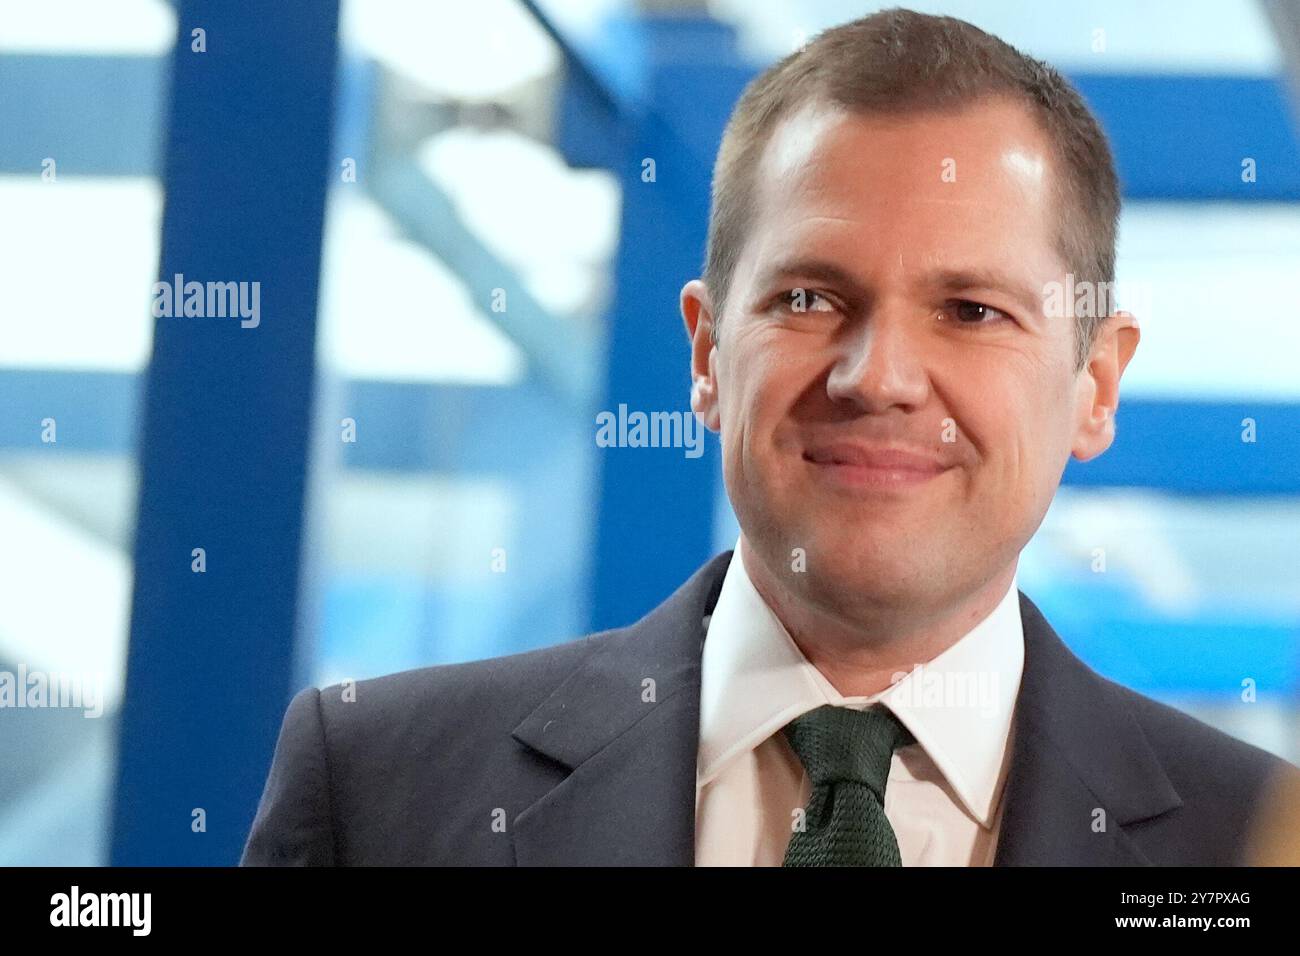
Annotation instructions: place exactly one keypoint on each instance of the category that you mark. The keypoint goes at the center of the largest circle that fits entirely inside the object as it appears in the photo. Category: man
(860, 682)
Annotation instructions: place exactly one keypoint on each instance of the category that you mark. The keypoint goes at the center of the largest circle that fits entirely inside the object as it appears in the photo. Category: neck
(861, 654)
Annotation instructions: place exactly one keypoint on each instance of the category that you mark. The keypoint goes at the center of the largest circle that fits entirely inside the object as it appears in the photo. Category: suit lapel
(629, 798)
(1079, 759)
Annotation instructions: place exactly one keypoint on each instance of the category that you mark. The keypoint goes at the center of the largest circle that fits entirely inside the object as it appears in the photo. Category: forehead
(954, 187)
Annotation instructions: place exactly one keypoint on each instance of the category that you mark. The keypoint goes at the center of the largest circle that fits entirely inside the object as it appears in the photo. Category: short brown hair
(896, 62)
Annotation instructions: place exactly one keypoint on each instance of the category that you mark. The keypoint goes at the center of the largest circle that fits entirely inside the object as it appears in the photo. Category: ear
(1097, 394)
(697, 313)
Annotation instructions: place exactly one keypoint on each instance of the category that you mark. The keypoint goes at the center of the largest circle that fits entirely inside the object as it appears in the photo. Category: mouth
(871, 467)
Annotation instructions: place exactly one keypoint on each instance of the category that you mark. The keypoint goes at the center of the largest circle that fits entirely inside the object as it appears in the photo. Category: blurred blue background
(461, 262)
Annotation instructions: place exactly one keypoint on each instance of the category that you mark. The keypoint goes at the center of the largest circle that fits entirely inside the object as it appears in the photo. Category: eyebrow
(950, 280)
(823, 270)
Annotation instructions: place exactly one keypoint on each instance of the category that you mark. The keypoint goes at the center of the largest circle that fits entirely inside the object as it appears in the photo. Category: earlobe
(1094, 423)
(704, 401)
(1095, 435)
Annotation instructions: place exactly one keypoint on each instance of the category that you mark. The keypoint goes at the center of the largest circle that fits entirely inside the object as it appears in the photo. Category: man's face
(891, 397)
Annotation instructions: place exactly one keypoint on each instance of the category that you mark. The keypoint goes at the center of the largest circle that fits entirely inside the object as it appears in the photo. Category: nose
(879, 365)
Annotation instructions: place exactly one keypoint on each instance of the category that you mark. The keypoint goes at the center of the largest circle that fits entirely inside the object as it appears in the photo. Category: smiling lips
(874, 466)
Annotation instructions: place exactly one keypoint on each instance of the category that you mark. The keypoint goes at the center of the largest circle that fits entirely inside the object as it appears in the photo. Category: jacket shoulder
(348, 748)
(503, 689)
(1207, 767)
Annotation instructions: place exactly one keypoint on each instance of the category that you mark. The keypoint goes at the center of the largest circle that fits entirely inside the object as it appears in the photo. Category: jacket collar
(626, 726)
(1081, 766)
(626, 723)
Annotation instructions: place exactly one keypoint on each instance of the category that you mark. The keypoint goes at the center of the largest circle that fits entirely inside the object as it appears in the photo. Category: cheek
(1017, 420)
(761, 440)
(737, 383)
(760, 380)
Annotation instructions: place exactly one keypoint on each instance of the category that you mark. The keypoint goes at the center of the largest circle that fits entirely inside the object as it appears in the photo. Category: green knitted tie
(846, 753)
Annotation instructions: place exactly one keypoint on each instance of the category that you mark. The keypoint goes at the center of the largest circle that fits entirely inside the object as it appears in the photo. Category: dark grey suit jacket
(552, 757)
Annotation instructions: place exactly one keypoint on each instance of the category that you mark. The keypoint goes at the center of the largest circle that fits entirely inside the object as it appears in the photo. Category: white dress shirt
(943, 796)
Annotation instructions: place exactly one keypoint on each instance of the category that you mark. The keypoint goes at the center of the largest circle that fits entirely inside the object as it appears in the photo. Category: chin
(881, 538)
(880, 553)
(870, 586)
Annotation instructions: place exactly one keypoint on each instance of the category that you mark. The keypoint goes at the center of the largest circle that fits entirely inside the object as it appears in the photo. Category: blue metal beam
(1199, 447)
(654, 513)
(226, 419)
(1184, 137)
(93, 115)
(95, 411)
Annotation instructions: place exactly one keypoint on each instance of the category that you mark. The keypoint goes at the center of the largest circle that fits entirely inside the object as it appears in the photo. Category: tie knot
(840, 743)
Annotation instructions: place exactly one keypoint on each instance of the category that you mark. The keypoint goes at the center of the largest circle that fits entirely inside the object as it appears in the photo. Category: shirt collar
(959, 706)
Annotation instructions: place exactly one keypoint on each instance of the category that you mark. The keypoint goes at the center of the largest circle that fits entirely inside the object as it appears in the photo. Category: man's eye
(805, 300)
(977, 313)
